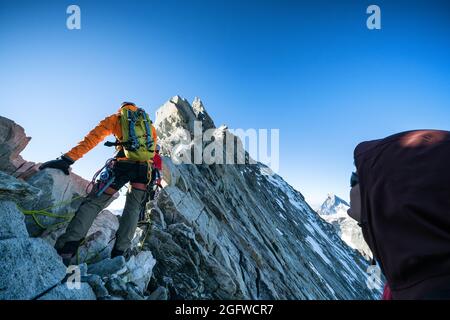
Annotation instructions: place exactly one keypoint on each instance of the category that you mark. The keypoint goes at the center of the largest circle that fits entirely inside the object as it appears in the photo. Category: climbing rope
(67, 217)
(45, 212)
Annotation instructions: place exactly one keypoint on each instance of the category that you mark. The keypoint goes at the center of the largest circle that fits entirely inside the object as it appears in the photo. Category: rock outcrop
(19, 191)
(234, 232)
(61, 194)
(29, 267)
(11, 222)
(46, 190)
(12, 141)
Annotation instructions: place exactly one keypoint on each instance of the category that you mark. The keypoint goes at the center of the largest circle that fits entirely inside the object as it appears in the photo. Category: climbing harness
(106, 177)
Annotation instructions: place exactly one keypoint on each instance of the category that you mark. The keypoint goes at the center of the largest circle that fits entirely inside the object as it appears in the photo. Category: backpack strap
(133, 140)
(148, 132)
(147, 123)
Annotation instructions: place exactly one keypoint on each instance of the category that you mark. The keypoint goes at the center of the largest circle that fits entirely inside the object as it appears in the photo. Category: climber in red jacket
(157, 168)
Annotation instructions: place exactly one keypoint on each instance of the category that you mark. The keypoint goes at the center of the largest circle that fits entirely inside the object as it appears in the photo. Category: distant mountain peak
(333, 205)
(334, 211)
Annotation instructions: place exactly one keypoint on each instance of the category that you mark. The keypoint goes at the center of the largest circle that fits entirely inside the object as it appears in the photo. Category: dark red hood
(405, 204)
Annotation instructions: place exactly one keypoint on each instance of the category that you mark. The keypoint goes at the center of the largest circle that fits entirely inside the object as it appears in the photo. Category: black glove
(62, 163)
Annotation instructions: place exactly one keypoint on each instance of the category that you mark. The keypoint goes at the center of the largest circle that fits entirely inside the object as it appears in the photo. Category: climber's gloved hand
(63, 163)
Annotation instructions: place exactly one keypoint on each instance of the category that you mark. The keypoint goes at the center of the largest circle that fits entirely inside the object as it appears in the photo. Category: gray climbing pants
(90, 208)
(130, 219)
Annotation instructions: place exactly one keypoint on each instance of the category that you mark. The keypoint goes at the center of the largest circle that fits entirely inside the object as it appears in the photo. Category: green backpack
(137, 139)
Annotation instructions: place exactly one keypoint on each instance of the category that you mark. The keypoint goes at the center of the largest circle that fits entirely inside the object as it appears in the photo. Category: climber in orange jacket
(135, 143)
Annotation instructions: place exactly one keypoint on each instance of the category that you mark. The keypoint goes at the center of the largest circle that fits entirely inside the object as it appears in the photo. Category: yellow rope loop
(44, 212)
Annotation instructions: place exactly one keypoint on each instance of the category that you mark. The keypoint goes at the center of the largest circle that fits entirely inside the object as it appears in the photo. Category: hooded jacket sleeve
(94, 137)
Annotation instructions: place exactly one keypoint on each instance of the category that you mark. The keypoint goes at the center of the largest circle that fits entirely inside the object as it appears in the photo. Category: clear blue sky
(310, 68)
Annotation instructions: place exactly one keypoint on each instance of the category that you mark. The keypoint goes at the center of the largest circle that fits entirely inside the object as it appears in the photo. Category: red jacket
(157, 163)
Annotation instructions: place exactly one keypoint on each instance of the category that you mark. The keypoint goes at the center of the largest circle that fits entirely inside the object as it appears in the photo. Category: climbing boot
(68, 251)
(116, 253)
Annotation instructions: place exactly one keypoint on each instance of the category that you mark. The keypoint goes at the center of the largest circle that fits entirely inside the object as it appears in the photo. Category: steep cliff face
(233, 231)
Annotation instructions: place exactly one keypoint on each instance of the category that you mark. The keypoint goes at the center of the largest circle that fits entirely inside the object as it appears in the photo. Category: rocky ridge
(218, 231)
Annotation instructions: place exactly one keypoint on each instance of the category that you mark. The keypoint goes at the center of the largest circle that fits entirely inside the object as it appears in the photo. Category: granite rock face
(218, 231)
(17, 190)
(60, 194)
(28, 266)
(237, 232)
(11, 221)
(12, 141)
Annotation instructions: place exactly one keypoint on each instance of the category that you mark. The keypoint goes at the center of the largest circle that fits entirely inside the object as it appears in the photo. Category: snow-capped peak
(334, 211)
(333, 205)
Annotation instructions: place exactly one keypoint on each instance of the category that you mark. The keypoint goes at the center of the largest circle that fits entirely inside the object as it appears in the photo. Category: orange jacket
(109, 125)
